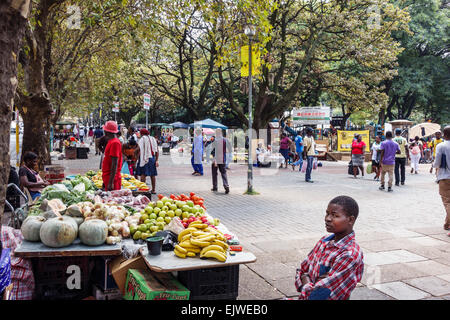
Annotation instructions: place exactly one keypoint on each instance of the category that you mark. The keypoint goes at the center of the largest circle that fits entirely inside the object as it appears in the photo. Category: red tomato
(192, 194)
(160, 196)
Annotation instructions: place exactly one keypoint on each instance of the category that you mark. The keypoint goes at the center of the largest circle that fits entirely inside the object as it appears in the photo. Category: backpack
(415, 150)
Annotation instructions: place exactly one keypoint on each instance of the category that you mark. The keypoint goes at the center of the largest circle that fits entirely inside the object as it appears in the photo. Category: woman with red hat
(112, 161)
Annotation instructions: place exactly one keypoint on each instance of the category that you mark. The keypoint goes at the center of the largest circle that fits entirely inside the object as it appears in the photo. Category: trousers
(444, 191)
(400, 164)
(389, 169)
(223, 172)
(415, 158)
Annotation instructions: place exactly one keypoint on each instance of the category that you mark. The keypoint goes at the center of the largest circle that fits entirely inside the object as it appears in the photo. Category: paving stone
(430, 267)
(365, 293)
(428, 230)
(391, 257)
(389, 273)
(432, 285)
(426, 251)
(386, 245)
(286, 286)
(401, 291)
(443, 237)
(253, 287)
(445, 277)
(428, 241)
(271, 271)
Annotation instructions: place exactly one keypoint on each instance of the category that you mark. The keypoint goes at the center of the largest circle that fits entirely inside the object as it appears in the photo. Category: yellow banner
(345, 139)
(256, 61)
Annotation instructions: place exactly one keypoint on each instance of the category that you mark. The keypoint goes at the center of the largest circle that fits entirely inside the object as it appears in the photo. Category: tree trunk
(13, 18)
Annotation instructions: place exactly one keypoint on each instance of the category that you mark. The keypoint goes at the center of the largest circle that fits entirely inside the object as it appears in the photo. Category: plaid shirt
(22, 276)
(342, 260)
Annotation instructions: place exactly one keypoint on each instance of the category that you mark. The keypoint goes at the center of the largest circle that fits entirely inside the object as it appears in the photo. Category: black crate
(82, 153)
(220, 283)
(51, 278)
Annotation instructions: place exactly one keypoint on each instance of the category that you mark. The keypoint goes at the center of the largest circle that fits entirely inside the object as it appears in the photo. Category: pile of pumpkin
(94, 224)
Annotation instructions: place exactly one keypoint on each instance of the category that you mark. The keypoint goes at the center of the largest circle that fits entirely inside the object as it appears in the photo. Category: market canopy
(179, 124)
(158, 124)
(208, 123)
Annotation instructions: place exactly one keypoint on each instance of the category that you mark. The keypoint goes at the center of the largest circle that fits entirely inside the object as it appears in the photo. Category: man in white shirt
(442, 161)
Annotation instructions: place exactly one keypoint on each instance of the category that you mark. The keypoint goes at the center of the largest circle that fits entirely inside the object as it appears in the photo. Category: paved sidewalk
(406, 250)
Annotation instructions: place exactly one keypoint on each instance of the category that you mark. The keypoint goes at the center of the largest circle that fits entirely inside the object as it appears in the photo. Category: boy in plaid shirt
(335, 265)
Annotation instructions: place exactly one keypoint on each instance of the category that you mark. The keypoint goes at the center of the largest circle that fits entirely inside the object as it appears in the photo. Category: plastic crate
(51, 277)
(220, 283)
(82, 153)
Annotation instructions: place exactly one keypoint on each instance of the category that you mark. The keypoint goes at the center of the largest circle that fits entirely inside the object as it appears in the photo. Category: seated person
(335, 265)
(29, 177)
(260, 156)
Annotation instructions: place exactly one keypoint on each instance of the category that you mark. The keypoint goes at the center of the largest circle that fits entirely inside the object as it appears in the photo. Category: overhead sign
(345, 139)
(311, 115)
(256, 61)
(146, 101)
(116, 107)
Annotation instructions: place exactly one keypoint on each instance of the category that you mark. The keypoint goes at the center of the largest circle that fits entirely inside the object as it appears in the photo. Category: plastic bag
(304, 166)
(315, 165)
(170, 240)
(125, 169)
(131, 250)
(369, 168)
(176, 226)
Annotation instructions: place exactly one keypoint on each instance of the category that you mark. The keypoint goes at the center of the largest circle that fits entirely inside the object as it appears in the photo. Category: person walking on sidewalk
(400, 159)
(148, 158)
(197, 153)
(98, 133)
(299, 149)
(112, 161)
(442, 161)
(219, 153)
(433, 145)
(415, 157)
(285, 144)
(375, 153)
(358, 153)
(388, 149)
(309, 152)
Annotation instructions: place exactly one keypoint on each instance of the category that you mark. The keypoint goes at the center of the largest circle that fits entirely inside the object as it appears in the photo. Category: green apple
(185, 215)
(152, 215)
(149, 225)
(202, 211)
(156, 210)
(162, 214)
(164, 199)
(178, 212)
(165, 208)
(153, 221)
(144, 217)
(186, 208)
(145, 235)
(133, 229)
(167, 219)
(159, 204)
(137, 235)
(161, 227)
(149, 210)
(173, 207)
(190, 203)
(171, 213)
(142, 228)
(154, 228)
(194, 210)
(151, 204)
(153, 233)
(159, 219)
(146, 221)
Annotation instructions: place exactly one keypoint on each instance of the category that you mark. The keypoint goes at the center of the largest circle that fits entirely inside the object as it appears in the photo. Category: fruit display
(196, 200)
(128, 182)
(123, 197)
(157, 215)
(200, 238)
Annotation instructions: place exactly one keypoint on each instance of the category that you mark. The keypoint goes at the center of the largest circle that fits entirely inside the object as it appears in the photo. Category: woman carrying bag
(358, 151)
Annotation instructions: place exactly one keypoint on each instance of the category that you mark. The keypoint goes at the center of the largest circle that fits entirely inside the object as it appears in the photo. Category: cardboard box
(119, 269)
(145, 285)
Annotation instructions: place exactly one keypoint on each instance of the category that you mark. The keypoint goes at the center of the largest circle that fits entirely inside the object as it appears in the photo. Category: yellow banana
(199, 225)
(188, 245)
(185, 232)
(209, 237)
(199, 243)
(186, 237)
(216, 255)
(200, 233)
(212, 247)
(191, 254)
(221, 243)
(194, 250)
(181, 249)
(179, 254)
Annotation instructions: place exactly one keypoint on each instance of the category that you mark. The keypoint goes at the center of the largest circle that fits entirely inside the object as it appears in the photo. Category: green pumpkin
(59, 232)
(31, 228)
(93, 232)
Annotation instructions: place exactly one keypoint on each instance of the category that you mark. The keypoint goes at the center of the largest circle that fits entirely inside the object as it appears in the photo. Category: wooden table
(30, 249)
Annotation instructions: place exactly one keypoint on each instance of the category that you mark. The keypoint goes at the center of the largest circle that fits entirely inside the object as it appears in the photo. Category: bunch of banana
(200, 238)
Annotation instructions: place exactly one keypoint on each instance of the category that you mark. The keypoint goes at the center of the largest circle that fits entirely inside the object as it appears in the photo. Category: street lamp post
(250, 32)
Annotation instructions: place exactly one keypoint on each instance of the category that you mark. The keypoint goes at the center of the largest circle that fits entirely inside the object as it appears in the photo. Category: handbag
(369, 168)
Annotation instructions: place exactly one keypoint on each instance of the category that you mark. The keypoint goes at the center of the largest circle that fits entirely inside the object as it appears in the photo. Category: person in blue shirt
(299, 149)
(197, 153)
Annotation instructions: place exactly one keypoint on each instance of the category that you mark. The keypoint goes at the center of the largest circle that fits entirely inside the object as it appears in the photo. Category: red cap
(111, 126)
(144, 132)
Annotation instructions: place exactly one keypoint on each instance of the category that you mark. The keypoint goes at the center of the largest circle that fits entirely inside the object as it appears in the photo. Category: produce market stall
(84, 241)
